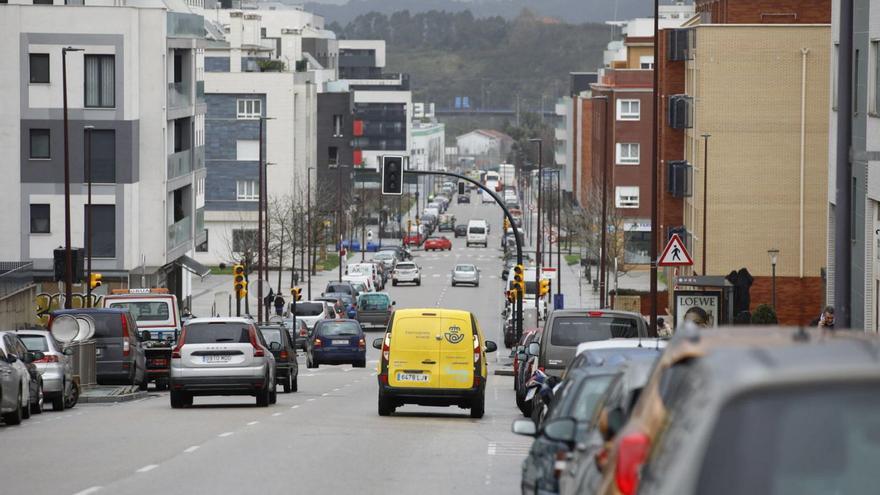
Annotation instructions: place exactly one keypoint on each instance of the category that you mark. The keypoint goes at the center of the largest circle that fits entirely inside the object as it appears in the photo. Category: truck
(507, 172)
(159, 323)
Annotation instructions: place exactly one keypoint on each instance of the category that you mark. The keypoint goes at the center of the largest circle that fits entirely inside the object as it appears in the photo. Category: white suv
(406, 272)
(221, 356)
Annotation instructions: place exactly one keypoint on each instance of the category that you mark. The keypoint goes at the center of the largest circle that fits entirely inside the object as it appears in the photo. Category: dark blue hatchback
(337, 342)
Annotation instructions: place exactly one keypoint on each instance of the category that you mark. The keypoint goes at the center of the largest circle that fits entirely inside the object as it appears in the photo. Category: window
(39, 66)
(627, 153)
(856, 96)
(628, 109)
(40, 147)
(332, 156)
(250, 109)
(43, 2)
(247, 150)
(246, 190)
(834, 61)
(203, 247)
(244, 240)
(627, 196)
(646, 62)
(102, 158)
(100, 81)
(40, 219)
(875, 84)
(103, 230)
(337, 126)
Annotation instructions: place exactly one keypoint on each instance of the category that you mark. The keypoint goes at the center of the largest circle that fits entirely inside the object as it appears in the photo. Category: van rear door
(414, 360)
(456, 353)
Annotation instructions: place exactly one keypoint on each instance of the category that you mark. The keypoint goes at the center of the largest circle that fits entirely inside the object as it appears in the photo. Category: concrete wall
(17, 310)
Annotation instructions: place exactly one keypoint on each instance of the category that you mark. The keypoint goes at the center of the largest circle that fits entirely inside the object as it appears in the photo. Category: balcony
(180, 232)
(200, 91)
(200, 219)
(178, 95)
(180, 163)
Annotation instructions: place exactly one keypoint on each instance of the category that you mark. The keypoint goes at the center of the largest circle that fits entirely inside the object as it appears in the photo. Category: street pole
(604, 220)
(843, 235)
(774, 257)
(260, 228)
(88, 166)
(339, 230)
(705, 195)
(559, 232)
(539, 239)
(68, 258)
(655, 171)
(309, 225)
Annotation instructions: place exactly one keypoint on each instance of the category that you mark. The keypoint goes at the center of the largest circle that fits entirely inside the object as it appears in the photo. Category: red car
(441, 243)
(412, 240)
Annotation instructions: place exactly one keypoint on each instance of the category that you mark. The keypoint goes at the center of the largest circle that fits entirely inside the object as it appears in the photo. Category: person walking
(279, 304)
(268, 300)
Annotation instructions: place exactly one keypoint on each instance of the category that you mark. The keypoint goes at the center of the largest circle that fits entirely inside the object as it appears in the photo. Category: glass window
(40, 144)
(247, 150)
(246, 190)
(571, 331)
(332, 156)
(589, 395)
(145, 310)
(40, 223)
(215, 333)
(309, 309)
(374, 302)
(103, 219)
(249, 109)
(272, 335)
(34, 343)
(628, 109)
(337, 126)
(102, 155)
(39, 67)
(628, 153)
(875, 87)
(244, 240)
(338, 328)
(100, 85)
(627, 196)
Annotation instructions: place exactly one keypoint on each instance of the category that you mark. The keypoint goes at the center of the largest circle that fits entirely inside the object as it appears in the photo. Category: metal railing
(178, 95)
(15, 276)
(179, 163)
(179, 232)
(84, 362)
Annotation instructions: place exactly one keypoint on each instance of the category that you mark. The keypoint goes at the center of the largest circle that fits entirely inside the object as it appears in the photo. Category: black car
(460, 230)
(284, 350)
(464, 198)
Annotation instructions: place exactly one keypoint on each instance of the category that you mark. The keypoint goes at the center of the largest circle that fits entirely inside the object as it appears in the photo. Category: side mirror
(11, 358)
(35, 356)
(560, 430)
(534, 349)
(491, 346)
(377, 343)
(524, 427)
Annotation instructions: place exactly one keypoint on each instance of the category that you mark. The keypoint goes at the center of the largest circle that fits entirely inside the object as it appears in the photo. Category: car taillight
(283, 355)
(317, 343)
(175, 353)
(631, 455)
(304, 331)
(386, 348)
(476, 349)
(126, 337)
(258, 351)
(48, 358)
(362, 344)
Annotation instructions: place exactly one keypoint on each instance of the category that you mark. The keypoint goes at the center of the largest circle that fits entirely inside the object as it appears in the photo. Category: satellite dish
(65, 328)
(86, 328)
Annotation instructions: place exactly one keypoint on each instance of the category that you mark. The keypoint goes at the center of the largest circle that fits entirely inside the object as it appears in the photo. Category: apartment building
(864, 289)
(134, 90)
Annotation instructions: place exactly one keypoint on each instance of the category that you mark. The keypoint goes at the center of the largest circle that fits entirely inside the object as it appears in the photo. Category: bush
(764, 315)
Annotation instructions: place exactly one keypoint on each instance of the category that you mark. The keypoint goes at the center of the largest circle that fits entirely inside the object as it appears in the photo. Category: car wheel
(360, 364)
(309, 362)
(525, 407)
(478, 406)
(419, 282)
(288, 384)
(14, 417)
(58, 403)
(394, 283)
(263, 397)
(295, 386)
(161, 384)
(26, 409)
(177, 399)
(273, 395)
(37, 406)
(143, 384)
(386, 407)
(477, 284)
(74, 395)
(453, 284)
(187, 399)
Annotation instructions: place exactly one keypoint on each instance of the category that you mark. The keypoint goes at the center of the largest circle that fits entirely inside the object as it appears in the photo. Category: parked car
(387, 258)
(311, 312)
(438, 243)
(365, 280)
(55, 367)
(367, 270)
(337, 342)
(374, 310)
(447, 223)
(298, 331)
(121, 359)
(401, 252)
(344, 287)
(429, 372)
(14, 390)
(222, 356)
(524, 366)
(460, 230)
(464, 198)
(283, 349)
(406, 272)
(348, 303)
(465, 273)
(335, 303)
(29, 391)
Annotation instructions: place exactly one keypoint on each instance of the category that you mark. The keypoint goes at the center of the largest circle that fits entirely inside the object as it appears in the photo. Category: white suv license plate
(412, 377)
(215, 359)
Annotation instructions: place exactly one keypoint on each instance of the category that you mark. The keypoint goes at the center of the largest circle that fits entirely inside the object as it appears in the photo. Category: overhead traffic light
(461, 187)
(544, 287)
(392, 175)
(238, 281)
(296, 293)
(519, 283)
(95, 280)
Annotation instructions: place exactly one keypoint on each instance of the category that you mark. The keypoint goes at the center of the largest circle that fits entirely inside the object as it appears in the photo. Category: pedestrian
(663, 328)
(279, 304)
(827, 318)
(268, 300)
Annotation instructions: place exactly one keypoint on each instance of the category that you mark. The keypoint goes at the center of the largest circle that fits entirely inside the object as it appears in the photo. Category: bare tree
(587, 226)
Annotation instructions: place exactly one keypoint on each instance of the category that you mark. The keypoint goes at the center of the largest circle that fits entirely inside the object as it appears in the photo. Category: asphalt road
(326, 438)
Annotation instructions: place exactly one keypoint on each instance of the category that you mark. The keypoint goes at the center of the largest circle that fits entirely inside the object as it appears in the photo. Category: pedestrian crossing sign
(675, 253)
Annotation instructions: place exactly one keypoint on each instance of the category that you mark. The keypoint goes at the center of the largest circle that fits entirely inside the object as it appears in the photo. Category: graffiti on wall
(47, 302)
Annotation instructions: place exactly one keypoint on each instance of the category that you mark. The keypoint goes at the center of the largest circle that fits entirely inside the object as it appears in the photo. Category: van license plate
(412, 377)
(215, 359)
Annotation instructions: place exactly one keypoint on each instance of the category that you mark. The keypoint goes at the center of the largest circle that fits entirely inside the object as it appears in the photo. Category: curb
(104, 399)
(504, 372)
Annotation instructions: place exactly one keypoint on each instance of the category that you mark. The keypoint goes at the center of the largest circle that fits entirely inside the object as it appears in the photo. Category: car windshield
(338, 329)
(216, 332)
(477, 230)
(271, 335)
(806, 440)
(588, 396)
(145, 310)
(309, 309)
(573, 330)
(359, 287)
(338, 288)
(384, 255)
(34, 343)
(465, 268)
(406, 266)
(374, 302)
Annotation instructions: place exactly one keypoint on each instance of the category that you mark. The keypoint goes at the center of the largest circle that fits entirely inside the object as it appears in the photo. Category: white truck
(508, 174)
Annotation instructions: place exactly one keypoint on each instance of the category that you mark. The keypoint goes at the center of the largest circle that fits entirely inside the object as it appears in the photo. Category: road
(326, 438)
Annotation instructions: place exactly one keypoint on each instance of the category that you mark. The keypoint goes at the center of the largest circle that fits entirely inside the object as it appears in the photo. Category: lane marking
(252, 423)
(324, 394)
(226, 434)
(336, 390)
(294, 407)
(190, 450)
(277, 414)
(310, 400)
(148, 467)
(88, 491)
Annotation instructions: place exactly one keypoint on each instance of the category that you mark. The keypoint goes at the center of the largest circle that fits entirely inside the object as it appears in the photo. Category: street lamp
(706, 194)
(539, 239)
(88, 171)
(262, 237)
(774, 257)
(68, 259)
(604, 222)
(311, 260)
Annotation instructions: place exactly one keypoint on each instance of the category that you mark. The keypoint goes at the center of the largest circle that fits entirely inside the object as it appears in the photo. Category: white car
(311, 312)
(406, 272)
(366, 280)
(477, 233)
(367, 270)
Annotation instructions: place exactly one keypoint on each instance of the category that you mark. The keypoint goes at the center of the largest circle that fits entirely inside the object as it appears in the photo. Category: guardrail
(15, 276)
(84, 362)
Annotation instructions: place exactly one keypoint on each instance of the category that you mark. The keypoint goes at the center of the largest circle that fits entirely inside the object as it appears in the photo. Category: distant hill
(569, 11)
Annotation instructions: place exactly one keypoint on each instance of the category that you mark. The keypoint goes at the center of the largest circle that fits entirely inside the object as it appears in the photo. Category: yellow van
(433, 357)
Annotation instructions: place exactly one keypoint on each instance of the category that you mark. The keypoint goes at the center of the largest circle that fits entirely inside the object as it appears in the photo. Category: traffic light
(238, 281)
(296, 294)
(461, 187)
(392, 175)
(95, 280)
(544, 287)
(519, 283)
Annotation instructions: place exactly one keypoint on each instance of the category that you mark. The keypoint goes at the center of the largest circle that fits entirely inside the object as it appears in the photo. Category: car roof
(594, 312)
(220, 319)
(621, 343)
(33, 331)
(417, 312)
(88, 311)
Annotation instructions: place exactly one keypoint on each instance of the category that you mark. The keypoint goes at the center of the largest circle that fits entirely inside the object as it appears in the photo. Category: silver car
(221, 356)
(13, 392)
(465, 273)
(55, 367)
(387, 258)
(406, 272)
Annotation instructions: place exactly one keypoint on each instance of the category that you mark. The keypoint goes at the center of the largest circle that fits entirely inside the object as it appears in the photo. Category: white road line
(88, 491)
(148, 467)
(336, 390)
(252, 423)
(310, 400)
(190, 450)
(324, 394)
(226, 434)
(435, 275)
(294, 407)
(277, 414)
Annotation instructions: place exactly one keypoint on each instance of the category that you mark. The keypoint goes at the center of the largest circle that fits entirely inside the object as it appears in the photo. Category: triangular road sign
(675, 253)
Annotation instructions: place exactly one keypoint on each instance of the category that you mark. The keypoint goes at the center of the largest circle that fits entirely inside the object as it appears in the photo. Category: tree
(764, 315)
(586, 224)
